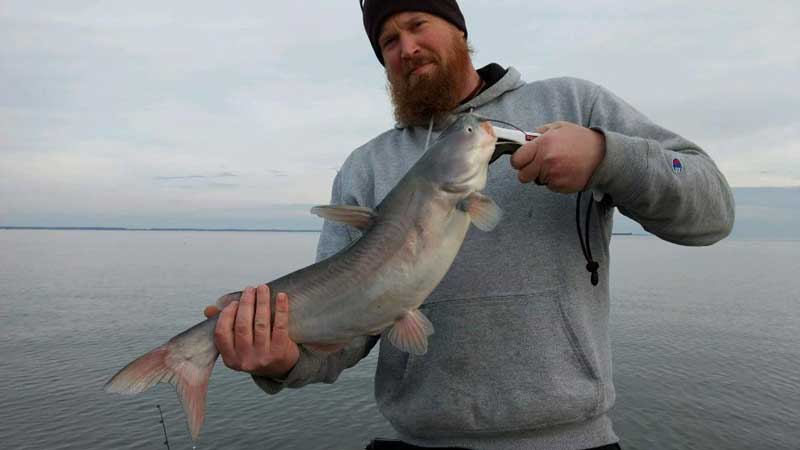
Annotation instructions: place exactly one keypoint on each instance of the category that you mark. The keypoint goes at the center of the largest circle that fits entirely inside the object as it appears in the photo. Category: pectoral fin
(356, 216)
(410, 333)
(483, 211)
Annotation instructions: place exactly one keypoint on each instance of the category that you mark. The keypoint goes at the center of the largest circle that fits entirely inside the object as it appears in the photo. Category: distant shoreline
(237, 230)
(243, 230)
(311, 230)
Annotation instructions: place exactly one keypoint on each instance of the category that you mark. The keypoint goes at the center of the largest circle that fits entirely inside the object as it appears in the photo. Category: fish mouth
(488, 128)
(489, 140)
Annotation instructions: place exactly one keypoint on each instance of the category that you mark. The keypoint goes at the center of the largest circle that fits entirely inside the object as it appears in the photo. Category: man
(521, 357)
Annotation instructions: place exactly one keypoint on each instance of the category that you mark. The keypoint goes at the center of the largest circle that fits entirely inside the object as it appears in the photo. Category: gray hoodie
(520, 358)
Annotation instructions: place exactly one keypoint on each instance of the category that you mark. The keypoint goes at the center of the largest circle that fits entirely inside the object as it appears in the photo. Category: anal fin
(410, 333)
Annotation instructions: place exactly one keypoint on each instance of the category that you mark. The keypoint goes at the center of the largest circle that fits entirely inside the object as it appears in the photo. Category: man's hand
(564, 157)
(246, 340)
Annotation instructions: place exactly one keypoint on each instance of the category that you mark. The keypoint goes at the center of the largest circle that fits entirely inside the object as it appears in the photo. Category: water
(706, 344)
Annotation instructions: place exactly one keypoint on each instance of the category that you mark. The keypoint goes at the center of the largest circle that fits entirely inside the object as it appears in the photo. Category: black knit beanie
(377, 11)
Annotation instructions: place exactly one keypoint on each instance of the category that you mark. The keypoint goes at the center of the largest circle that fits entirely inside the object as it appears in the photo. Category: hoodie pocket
(494, 364)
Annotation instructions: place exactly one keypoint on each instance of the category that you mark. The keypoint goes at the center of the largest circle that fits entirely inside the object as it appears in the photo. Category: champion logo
(677, 167)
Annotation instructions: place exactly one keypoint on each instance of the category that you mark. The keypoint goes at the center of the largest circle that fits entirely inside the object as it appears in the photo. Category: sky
(238, 114)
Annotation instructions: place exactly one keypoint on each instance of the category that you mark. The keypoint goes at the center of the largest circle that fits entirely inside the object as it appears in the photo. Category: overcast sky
(237, 114)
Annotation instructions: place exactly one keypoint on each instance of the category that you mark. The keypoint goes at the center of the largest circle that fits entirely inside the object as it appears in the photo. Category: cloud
(170, 108)
(196, 177)
(186, 177)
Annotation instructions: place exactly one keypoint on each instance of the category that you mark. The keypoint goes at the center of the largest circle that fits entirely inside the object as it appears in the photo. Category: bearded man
(521, 356)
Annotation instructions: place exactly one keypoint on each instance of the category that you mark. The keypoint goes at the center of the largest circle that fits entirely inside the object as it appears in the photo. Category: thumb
(210, 311)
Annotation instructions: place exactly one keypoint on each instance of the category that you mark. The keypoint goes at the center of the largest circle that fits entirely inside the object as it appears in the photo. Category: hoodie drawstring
(591, 265)
(430, 130)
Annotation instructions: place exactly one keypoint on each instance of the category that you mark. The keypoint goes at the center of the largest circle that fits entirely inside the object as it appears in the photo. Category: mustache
(415, 62)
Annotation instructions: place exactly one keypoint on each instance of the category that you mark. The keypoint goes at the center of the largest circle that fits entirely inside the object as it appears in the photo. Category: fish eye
(469, 129)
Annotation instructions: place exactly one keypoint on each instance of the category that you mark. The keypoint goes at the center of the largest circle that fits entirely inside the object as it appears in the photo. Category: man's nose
(408, 46)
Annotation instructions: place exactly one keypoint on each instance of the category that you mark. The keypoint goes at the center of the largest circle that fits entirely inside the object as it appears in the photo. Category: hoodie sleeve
(657, 178)
(313, 367)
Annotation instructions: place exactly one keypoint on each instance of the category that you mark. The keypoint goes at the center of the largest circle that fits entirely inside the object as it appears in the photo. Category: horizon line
(244, 230)
(96, 228)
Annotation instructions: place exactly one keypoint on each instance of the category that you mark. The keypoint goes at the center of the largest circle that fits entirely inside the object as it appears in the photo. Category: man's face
(427, 62)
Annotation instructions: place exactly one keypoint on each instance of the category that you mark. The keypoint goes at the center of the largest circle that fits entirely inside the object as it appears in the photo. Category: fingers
(261, 327)
(563, 157)
(246, 340)
(530, 170)
(525, 154)
(223, 333)
(243, 326)
(533, 160)
(280, 333)
(543, 179)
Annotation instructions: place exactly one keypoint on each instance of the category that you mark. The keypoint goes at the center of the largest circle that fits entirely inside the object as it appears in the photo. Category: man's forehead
(402, 19)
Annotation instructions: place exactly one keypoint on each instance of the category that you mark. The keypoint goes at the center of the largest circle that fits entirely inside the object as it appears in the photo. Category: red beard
(419, 97)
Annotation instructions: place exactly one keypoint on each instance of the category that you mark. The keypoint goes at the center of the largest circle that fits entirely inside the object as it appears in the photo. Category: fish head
(458, 161)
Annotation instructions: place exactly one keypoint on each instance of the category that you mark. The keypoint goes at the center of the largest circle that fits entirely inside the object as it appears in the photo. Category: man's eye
(419, 23)
(388, 42)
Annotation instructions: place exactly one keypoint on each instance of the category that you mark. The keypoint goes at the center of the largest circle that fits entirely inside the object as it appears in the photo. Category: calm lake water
(706, 344)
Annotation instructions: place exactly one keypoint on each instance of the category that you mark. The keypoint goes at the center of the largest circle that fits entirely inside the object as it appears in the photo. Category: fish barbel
(374, 286)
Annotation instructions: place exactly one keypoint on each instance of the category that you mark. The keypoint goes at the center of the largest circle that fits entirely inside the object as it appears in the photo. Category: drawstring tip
(592, 268)
(591, 264)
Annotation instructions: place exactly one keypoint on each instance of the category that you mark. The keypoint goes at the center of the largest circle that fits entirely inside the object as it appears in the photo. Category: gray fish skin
(373, 286)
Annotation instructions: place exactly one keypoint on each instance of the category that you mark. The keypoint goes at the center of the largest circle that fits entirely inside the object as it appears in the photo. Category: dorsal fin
(356, 216)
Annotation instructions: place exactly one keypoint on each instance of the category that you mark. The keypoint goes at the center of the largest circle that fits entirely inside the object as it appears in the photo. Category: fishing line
(506, 123)
(430, 131)
(164, 425)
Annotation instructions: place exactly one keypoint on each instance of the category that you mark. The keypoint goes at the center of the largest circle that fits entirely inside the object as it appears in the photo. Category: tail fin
(185, 361)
